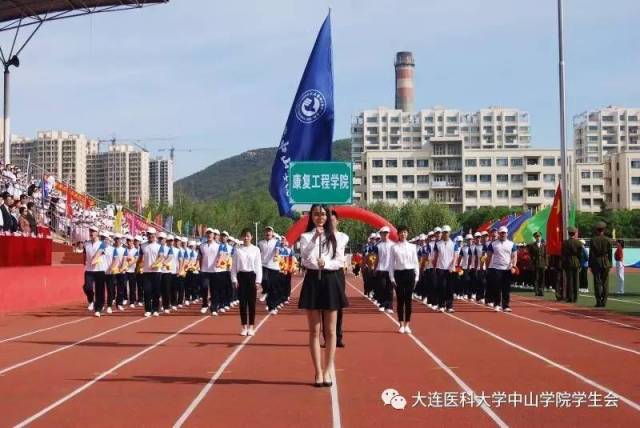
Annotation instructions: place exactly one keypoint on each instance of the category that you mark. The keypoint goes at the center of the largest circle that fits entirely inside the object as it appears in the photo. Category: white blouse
(404, 256)
(310, 253)
(246, 259)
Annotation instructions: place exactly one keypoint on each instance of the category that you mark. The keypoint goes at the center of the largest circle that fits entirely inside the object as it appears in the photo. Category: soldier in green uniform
(571, 255)
(538, 255)
(600, 263)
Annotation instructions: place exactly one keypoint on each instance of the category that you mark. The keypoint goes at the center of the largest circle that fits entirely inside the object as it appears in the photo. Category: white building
(609, 130)
(161, 180)
(61, 154)
(121, 174)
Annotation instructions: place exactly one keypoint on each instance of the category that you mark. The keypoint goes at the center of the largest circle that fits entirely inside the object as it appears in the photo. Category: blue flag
(308, 134)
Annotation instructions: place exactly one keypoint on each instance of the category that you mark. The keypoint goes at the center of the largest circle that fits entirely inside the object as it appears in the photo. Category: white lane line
(9, 339)
(579, 314)
(65, 347)
(577, 375)
(592, 339)
(104, 374)
(447, 370)
(205, 390)
(335, 402)
(632, 302)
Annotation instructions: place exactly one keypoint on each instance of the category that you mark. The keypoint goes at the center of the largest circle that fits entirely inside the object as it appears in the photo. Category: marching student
(167, 254)
(466, 263)
(457, 279)
(286, 260)
(173, 268)
(269, 248)
(128, 269)
(368, 265)
(481, 270)
(384, 290)
(422, 255)
(223, 274)
(322, 294)
(139, 274)
(444, 262)
(94, 268)
(404, 276)
(110, 272)
(475, 280)
(191, 280)
(118, 274)
(433, 296)
(181, 272)
(152, 273)
(208, 256)
(246, 276)
(502, 257)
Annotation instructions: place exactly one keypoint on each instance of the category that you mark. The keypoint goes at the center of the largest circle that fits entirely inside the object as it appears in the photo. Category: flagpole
(563, 145)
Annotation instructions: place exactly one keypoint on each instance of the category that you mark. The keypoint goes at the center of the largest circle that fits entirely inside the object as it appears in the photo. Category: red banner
(554, 226)
(136, 224)
(80, 198)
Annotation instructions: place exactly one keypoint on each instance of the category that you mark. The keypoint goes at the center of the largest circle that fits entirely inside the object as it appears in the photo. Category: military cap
(571, 229)
(601, 225)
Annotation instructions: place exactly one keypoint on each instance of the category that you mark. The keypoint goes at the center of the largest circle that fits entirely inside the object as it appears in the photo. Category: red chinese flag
(554, 225)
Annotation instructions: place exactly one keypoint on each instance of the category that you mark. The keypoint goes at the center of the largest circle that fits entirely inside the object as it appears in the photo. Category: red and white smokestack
(405, 93)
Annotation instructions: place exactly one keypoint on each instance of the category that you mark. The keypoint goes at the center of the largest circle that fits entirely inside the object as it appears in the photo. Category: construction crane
(172, 150)
(138, 142)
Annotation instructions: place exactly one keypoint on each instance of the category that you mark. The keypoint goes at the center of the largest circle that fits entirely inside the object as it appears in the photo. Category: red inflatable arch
(348, 212)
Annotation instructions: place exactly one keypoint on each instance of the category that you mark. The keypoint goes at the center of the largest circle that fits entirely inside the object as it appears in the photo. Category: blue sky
(222, 75)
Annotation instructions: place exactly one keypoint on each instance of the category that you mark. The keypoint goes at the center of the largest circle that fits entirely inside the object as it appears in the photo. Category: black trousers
(165, 290)
(152, 285)
(601, 285)
(177, 290)
(94, 285)
(431, 286)
(273, 290)
(538, 281)
(405, 282)
(121, 290)
(247, 294)
(111, 289)
(191, 286)
(583, 279)
(481, 284)
(385, 291)
(445, 281)
(133, 286)
(501, 280)
(366, 279)
(226, 288)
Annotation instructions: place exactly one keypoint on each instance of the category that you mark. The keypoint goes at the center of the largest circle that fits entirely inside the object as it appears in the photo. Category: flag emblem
(310, 106)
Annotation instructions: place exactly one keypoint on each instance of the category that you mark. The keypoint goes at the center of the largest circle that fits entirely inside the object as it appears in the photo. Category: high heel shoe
(327, 384)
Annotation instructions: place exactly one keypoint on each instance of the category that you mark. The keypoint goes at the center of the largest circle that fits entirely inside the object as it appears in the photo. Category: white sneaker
(407, 330)
(222, 310)
(147, 314)
(90, 307)
(375, 302)
(226, 308)
(425, 301)
(442, 310)
(140, 304)
(481, 301)
(244, 332)
(124, 302)
(498, 309)
(473, 296)
(490, 305)
(251, 332)
(203, 310)
(174, 308)
(381, 309)
(214, 314)
(180, 305)
(156, 314)
(450, 310)
(167, 311)
(97, 314)
(109, 310)
(507, 309)
(274, 312)
(287, 302)
(120, 308)
(133, 305)
(187, 303)
(389, 311)
(263, 297)
(401, 329)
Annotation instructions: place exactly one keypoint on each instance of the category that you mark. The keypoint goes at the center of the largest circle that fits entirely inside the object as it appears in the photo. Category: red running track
(186, 369)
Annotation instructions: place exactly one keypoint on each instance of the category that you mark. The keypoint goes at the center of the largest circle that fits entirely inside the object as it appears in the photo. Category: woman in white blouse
(321, 293)
(404, 276)
(246, 276)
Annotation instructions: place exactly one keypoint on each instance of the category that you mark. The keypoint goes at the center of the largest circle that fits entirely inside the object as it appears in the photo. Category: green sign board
(321, 182)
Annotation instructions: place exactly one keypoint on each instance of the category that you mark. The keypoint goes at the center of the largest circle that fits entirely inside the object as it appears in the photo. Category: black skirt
(326, 293)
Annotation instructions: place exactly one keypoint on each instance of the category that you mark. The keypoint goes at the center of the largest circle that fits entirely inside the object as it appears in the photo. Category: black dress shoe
(327, 384)
(339, 345)
(318, 384)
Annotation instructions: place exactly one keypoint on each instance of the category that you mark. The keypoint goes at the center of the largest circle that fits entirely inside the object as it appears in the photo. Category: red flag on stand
(554, 226)
(69, 208)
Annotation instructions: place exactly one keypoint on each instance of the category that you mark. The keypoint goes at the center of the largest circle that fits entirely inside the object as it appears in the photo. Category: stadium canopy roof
(21, 13)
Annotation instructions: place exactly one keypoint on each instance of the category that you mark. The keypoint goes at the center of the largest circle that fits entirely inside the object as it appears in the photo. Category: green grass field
(627, 303)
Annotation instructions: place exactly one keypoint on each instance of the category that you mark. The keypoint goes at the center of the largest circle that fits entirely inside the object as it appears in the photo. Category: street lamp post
(563, 132)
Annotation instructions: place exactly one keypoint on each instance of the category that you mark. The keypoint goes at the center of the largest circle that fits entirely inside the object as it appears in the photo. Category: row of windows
(421, 194)
(504, 178)
(596, 188)
(504, 194)
(406, 163)
(590, 174)
(515, 162)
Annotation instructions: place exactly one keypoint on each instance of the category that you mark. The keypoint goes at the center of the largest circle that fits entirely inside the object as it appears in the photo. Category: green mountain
(248, 172)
